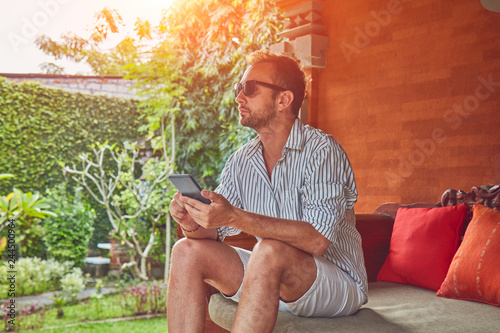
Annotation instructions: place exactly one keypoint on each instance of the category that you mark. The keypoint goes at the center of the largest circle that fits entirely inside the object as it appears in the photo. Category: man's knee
(187, 248)
(182, 246)
(196, 252)
(271, 252)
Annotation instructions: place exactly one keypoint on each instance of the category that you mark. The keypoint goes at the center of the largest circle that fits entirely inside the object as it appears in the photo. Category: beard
(260, 119)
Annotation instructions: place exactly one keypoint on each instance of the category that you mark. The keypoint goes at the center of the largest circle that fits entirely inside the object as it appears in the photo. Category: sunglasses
(248, 87)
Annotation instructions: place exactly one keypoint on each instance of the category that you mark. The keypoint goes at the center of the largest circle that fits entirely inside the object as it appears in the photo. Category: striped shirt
(312, 182)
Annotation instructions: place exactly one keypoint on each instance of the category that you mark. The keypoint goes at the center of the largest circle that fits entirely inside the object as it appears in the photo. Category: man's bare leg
(275, 270)
(195, 261)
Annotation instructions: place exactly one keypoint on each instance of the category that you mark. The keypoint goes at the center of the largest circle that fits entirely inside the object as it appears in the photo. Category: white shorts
(333, 294)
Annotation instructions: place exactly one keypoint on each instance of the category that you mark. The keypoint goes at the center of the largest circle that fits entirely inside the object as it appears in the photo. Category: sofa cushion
(422, 246)
(474, 273)
(391, 307)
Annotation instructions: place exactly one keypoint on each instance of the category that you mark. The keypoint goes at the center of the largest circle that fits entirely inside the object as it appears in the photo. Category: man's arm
(220, 212)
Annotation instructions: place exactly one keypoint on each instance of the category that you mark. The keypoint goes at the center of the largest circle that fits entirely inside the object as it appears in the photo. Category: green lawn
(106, 313)
(154, 325)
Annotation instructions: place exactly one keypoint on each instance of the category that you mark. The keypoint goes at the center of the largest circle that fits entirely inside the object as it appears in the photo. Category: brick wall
(412, 92)
(118, 255)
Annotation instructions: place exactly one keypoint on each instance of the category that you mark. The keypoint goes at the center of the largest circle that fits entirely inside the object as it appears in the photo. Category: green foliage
(87, 312)
(201, 54)
(60, 301)
(135, 207)
(158, 199)
(102, 228)
(73, 283)
(3, 209)
(43, 128)
(27, 210)
(185, 68)
(51, 68)
(68, 233)
(150, 325)
(34, 276)
(23, 207)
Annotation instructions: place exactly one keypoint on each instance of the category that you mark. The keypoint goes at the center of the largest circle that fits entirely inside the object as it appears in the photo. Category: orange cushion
(474, 273)
(422, 246)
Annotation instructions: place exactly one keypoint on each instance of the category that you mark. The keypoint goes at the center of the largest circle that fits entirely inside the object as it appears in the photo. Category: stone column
(304, 32)
(307, 42)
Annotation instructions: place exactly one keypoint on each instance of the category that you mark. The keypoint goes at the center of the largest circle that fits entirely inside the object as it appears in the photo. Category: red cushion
(423, 243)
(475, 271)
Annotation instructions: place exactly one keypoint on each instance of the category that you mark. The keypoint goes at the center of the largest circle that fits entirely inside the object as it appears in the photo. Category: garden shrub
(68, 235)
(73, 283)
(34, 276)
(25, 211)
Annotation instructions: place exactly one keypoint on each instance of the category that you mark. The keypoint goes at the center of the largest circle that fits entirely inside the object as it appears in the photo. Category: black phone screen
(188, 187)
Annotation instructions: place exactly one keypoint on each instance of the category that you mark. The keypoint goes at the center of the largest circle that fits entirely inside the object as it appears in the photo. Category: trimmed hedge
(42, 128)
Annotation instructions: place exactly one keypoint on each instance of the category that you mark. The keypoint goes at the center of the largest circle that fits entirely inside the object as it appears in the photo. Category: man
(293, 188)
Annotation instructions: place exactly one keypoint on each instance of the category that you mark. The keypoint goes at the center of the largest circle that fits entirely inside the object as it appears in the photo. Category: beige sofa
(391, 307)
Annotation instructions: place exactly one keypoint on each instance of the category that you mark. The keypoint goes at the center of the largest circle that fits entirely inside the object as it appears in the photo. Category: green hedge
(42, 128)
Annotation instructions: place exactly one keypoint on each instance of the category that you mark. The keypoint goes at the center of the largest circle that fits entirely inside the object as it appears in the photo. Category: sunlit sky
(22, 20)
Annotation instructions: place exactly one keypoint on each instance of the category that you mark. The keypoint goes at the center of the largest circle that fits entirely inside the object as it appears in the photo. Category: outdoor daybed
(405, 272)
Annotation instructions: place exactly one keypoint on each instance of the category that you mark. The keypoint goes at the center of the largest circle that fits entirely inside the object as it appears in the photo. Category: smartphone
(188, 187)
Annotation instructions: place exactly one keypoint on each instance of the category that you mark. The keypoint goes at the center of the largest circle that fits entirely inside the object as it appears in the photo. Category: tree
(88, 49)
(51, 68)
(135, 207)
(187, 79)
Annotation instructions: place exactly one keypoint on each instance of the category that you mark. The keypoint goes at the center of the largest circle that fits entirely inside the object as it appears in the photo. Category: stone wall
(115, 86)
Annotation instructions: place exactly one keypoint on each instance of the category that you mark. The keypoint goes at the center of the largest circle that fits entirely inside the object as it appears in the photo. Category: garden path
(45, 298)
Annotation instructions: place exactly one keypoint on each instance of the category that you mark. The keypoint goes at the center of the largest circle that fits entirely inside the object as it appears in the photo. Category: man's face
(258, 110)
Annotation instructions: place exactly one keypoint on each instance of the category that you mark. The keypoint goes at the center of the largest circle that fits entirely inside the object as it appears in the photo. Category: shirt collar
(295, 139)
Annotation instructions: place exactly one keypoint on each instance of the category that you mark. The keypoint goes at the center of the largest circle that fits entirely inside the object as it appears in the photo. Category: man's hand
(180, 214)
(219, 213)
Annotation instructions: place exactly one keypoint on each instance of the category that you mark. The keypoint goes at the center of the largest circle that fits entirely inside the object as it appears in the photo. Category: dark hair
(288, 73)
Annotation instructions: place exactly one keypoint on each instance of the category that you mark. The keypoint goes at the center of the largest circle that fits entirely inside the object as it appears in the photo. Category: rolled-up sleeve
(227, 189)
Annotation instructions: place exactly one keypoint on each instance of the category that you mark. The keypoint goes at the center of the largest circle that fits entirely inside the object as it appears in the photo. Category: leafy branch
(132, 205)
